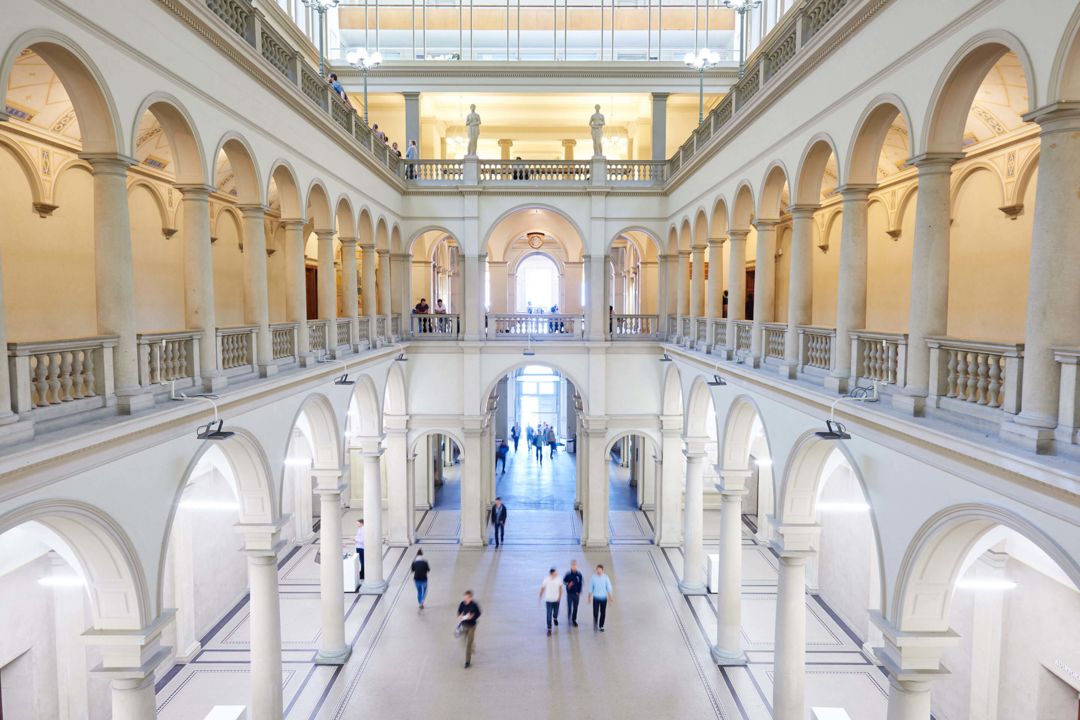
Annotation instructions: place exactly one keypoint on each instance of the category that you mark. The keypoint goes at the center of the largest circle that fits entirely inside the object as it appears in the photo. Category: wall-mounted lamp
(401, 358)
(665, 358)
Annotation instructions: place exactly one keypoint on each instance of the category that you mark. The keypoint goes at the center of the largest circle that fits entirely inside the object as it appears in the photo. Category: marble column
(789, 665)
(401, 496)
(114, 274)
(597, 310)
(265, 632)
(1054, 287)
(472, 305)
(697, 288)
(133, 698)
(693, 578)
(349, 309)
(199, 310)
(598, 486)
(659, 126)
(412, 121)
(505, 144)
(851, 282)
(568, 149)
(800, 284)
(728, 648)
(669, 516)
(682, 292)
(386, 292)
(333, 649)
(714, 293)
(296, 286)
(908, 699)
(473, 524)
(128, 660)
(256, 292)
(373, 583)
(929, 275)
(736, 284)
(764, 286)
(367, 290)
(913, 661)
(328, 288)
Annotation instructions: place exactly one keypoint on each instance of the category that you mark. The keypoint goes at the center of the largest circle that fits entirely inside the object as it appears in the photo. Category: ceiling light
(717, 381)
(401, 358)
(213, 431)
(217, 505)
(834, 430)
(985, 584)
(61, 581)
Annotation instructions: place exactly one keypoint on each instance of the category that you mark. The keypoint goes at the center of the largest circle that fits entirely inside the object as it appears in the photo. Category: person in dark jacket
(420, 570)
(573, 581)
(498, 519)
(468, 613)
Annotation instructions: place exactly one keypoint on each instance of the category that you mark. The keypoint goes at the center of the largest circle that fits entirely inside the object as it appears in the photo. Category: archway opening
(538, 288)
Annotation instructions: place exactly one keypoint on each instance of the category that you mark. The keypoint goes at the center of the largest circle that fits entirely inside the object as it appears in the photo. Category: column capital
(367, 446)
(912, 656)
(569, 143)
(130, 654)
(1056, 116)
(347, 240)
(765, 224)
(195, 191)
(796, 541)
(594, 424)
(328, 480)
(856, 191)
(506, 143)
(368, 246)
(660, 95)
(293, 223)
(733, 482)
(802, 211)
(935, 161)
(698, 248)
(683, 254)
(252, 210)
(108, 163)
(261, 539)
(717, 241)
(671, 425)
(738, 235)
(325, 233)
(411, 94)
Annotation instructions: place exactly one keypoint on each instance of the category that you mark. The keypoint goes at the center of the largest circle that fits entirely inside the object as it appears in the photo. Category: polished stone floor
(652, 662)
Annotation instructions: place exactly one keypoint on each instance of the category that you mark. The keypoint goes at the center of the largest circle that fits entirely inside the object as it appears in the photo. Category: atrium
(370, 315)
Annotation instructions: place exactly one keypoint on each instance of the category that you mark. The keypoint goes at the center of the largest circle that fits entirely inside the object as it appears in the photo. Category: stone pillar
(256, 292)
(929, 275)
(693, 579)
(373, 584)
(647, 488)
(199, 311)
(128, 659)
(265, 632)
(908, 699)
(669, 515)
(568, 149)
(736, 284)
(412, 121)
(596, 507)
(348, 288)
(296, 285)
(400, 495)
(913, 662)
(728, 648)
(697, 288)
(597, 321)
(115, 275)
(497, 278)
(401, 303)
(851, 284)
(328, 287)
(714, 293)
(764, 281)
(421, 481)
(682, 292)
(367, 289)
(385, 292)
(504, 148)
(472, 307)
(473, 525)
(582, 462)
(1054, 287)
(659, 126)
(333, 649)
(789, 664)
(800, 284)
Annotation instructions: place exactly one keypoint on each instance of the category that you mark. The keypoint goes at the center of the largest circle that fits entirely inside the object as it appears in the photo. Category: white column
(764, 285)
(697, 288)
(669, 516)
(913, 662)
(908, 699)
(728, 648)
(596, 307)
(789, 665)
(373, 584)
(598, 488)
(400, 494)
(929, 275)
(505, 144)
(128, 659)
(114, 274)
(647, 489)
(412, 121)
(659, 126)
(714, 293)
(582, 463)
(199, 311)
(851, 284)
(69, 617)
(419, 469)
(296, 284)
(327, 286)
(348, 287)
(472, 305)
(368, 291)
(693, 579)
(473, 525)
(265, 634)
(133, 698)
(256, 293)
(386, 299)
(800, 284)
(1053, 301)
(333, 650)
(568, 149)
(736, 283)
(682, 291)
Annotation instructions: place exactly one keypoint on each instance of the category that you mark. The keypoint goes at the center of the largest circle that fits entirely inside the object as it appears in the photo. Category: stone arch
(650, 251)
(869, 137)
(365, 410)
(452, 433)
(556, 260)
(720, 221)
(810, 174)
(672, 400)
(236, 218)
(742, 212)
(701, 228)
(950, 103)
(509, 214)
(365, 231)
(697, 404)
(1027, 172)
(382, 237)
(685, 235)
(105, 555)
(417, 236)
(931, 565)
(1065, 74)
(245, 170)
(99, 122)
(964, 173)
(179, 128)
(395, 239)
(288, 190)
(647, 433)
(326, 436)
(395, 400)
(735, 439)
(343, 217)
(318, 206)
(26, 164)
(557, 366)
(155, 195)
(673, 241)
(771, 200)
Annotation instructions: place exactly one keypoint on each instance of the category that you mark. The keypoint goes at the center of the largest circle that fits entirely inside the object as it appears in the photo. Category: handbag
(459, 630)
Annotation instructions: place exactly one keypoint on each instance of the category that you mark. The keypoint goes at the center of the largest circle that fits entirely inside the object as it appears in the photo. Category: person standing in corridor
(360, 545)
(420, 570)
(573, 582)
(468, 613)
(498, 519)
(600, 592)
(551, 592)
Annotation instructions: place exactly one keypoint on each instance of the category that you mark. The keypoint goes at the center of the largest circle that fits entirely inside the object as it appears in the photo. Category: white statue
(596, 124)
(472, 123)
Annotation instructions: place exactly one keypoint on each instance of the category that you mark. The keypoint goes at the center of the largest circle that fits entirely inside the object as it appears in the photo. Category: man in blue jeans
(420, 570)
(600, 592)
(551, 592)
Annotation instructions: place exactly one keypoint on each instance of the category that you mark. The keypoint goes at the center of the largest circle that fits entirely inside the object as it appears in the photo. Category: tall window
(537, 284)
(540, 397)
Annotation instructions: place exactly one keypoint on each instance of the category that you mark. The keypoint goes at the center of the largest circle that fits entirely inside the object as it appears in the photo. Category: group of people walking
(552, 590)
(538, 438)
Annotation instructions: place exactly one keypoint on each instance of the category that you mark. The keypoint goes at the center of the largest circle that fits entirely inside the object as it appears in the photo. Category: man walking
(468, 613)
(573, 582)
(360, 545)
(600, 592)
(420, 570)
(515, 435)
(498, 519)
(551, 592)
(500, 454)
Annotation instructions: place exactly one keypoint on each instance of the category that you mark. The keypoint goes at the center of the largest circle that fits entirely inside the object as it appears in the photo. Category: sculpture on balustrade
(596, 125)
(472, 125)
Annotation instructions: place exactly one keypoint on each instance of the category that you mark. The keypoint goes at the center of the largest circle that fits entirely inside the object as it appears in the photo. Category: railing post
(939, 372)
(1013, 381)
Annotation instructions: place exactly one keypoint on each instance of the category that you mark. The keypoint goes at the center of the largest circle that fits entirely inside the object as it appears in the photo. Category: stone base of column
(214, 383)
(648, 507)
(474, 544)
(367, 587)
(398, 543)
(788, 370)
(133, 401)
(837, 384)
(308, 359)
(1039, 440)
(267, 370)
(422, 506)
(693, 588)
(702, 346)
(753, 361)
(725, 658)
(912, 404)
(338, 658)
(596, 544)
(16, 432)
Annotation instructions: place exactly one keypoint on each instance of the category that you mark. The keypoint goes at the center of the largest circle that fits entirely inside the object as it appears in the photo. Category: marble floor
(652, 662)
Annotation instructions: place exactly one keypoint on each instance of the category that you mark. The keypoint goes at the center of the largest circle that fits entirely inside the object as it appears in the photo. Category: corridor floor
(653, 661)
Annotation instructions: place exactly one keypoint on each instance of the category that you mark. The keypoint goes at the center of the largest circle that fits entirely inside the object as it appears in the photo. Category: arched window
(537, 284)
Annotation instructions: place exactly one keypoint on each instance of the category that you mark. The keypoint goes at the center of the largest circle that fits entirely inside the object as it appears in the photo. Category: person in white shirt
(551, 591)
(360, 545)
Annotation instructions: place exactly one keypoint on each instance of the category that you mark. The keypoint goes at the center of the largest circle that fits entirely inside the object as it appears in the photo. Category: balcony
(645, 174)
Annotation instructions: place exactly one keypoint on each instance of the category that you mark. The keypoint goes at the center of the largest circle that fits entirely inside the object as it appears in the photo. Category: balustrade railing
(547, 326)
(743, 333)
(975, 373)
(363, 323)
(48, 377)
(236, 349)
(344, 332)
(283, 343)
(701, 332)
(672, 327)
(395, 325)
(880, 357)
(317, 336)
(719, 333)
(535, 171)
(684, 329)
(773, 337)
(447, 172)
(623, 326)
(1068, 429)
(435, 326)
(816, 348)
(636, 172)
(380, 327)
(168, 357)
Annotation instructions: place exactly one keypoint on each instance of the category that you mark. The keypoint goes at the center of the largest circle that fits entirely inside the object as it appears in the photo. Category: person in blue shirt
(600, 592)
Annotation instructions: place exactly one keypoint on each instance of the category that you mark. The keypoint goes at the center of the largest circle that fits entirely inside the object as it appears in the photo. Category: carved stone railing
(344, 332)
(970, 373)
(317, 336)
(535, 171)
(283, 342)
(719, 333)
(880, 357)
(684, 329)
(743, 334)
(236, 349)
(363, 323)
(816, 349)
(380, 326)
(442, 326)
(672, 327)
(1068, 429)
(435, 172)
(636, 172)
(701, 332)
(547, 326)
(395, 325)
(633, 326)
(773, 335)
(168, 358)
(54, 377)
